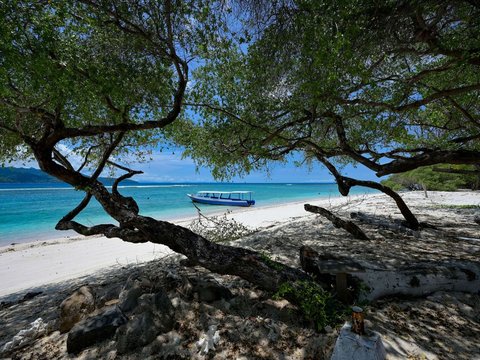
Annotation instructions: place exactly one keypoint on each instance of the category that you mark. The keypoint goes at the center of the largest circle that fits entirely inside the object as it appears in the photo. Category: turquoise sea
(29, 212)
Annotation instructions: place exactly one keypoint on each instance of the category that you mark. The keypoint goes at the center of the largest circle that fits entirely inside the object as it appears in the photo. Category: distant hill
(31, 175)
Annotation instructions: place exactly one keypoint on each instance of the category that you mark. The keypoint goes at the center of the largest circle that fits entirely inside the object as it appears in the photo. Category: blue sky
(170, 167)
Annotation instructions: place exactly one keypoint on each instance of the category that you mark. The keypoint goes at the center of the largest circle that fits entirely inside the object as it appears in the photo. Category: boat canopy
(214, 197)
(239, 195)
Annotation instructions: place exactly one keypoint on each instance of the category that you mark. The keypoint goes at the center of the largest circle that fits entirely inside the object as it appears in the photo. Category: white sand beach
(443, 324)
(27, 265)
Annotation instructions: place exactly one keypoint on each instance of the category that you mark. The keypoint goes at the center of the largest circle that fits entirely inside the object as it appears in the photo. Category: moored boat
(232, 198)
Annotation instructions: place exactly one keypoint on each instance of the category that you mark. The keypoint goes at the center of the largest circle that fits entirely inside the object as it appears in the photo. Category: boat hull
(227, 202)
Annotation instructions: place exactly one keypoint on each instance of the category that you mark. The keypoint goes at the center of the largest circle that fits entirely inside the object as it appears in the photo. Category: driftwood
(477, 219)
(413, 279)
(337, 221)
(395, 226)
(313, 263)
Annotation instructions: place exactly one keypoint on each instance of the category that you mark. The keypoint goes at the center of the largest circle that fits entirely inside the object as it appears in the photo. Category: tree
(391, 87)
(434, 178)
(105, 80)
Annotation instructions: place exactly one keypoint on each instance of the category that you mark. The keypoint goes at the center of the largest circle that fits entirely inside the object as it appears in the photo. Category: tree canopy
(104, 80)
(84, 73)
(391, 86)
(436, 178)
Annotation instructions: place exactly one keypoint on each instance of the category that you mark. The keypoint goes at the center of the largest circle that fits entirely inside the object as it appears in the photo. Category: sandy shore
(442, 324)
(29, 265)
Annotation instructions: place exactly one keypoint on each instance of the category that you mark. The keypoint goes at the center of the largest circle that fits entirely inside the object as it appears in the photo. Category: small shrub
(219, 228)
(267, 259)
(316, 304)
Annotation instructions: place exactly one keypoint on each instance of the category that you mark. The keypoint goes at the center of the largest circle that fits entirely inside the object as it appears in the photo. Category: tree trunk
(411, 220)
(222, 259)
(349, 226)
(414, 279)
(424, 187)
(345, 184)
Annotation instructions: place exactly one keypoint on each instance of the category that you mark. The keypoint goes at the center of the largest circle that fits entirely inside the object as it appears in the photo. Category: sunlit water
(29, 212)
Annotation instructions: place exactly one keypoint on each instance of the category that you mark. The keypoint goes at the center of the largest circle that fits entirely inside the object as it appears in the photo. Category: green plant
(433, 178)
(267, 259)
(316, 304)
(362, 289)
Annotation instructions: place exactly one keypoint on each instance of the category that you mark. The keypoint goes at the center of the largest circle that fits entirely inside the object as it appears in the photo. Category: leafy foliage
(344, 82)
(95, 63)
(428, 178)
(316, 304)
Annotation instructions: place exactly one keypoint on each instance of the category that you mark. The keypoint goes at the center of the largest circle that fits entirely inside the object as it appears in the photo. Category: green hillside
(31, 175)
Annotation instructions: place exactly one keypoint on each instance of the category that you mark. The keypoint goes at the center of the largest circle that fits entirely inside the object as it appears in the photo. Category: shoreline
(408, 325)
(70, 235)
(34, 217)
(31, 265)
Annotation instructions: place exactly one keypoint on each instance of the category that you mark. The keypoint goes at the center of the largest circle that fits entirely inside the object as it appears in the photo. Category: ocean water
(29, 212)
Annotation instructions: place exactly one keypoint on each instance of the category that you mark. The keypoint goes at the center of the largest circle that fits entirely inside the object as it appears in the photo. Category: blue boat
(232, 198)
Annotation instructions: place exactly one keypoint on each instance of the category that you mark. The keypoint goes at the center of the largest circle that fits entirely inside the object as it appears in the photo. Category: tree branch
(72, 214)
(349, 226)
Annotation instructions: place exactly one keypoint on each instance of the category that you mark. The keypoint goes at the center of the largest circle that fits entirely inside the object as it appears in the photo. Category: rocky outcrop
(140, 315)
(94, 329)
(154, 315)
(76, 307)
(25, 337)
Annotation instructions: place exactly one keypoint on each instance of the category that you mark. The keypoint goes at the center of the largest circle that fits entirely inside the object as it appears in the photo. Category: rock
(107, 293)
(76, 307)
(274, 330)
(111, 302)
(466, 310)
(31, 295)
(94, 329)
(209, 291)
(164, 312)
(6, 304)
(168, 347)
(352, 346)
(139, 331)
(128, 299)
(154, 315)
(137, 280)
(133, 289)
(24, 337)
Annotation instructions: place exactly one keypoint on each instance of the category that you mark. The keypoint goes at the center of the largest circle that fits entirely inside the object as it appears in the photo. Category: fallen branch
(413, 279)
(338, 222)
